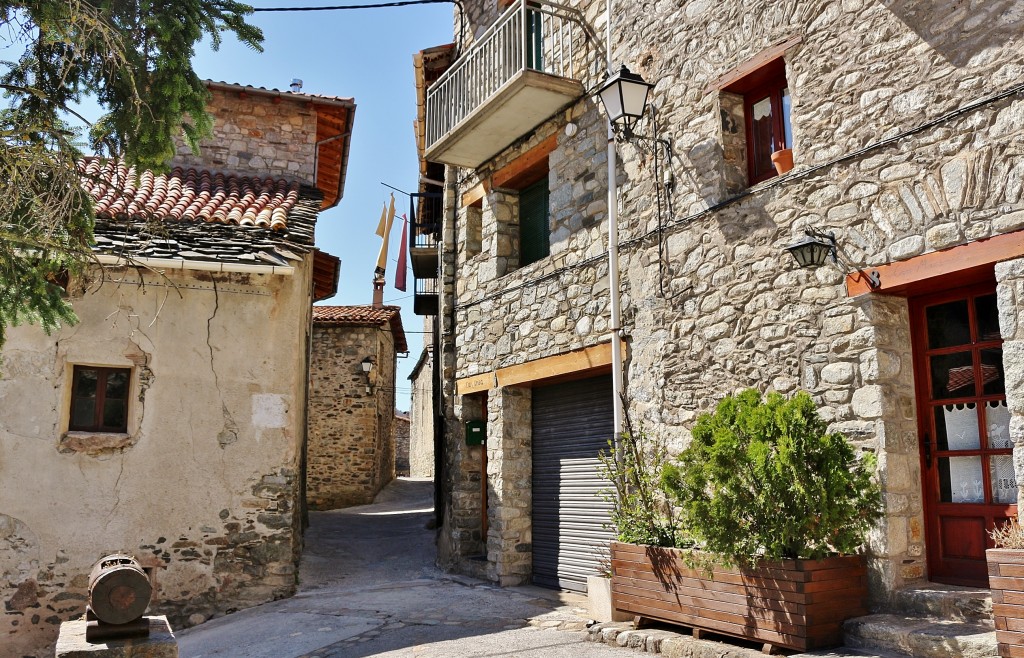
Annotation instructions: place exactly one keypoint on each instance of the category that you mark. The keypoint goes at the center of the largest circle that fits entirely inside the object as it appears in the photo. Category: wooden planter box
(794, 604)
(1006, 580)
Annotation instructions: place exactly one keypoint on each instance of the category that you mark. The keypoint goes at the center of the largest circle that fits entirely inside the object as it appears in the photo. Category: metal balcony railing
(425, 234)
(535, 35)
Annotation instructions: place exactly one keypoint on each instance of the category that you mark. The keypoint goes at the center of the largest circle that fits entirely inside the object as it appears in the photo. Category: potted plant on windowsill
(783, 160)
(778, 508)
(1006, 581)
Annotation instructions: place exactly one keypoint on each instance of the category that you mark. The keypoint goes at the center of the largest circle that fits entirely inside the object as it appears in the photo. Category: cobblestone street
(368, 587)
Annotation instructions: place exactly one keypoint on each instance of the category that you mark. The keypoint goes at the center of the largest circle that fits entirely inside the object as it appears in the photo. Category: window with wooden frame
(528, 175)
(534, 229)
(99, 399)
(766, 113)
(754, 104)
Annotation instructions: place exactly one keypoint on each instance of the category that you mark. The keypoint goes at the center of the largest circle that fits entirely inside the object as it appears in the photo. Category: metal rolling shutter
(572, 423)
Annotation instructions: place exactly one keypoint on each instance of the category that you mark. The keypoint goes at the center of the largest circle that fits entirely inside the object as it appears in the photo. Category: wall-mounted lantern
(814, 249)
(367, 365)
(624, 96)
(817, 247)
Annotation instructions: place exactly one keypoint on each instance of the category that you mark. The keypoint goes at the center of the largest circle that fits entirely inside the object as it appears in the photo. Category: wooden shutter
(534, 233)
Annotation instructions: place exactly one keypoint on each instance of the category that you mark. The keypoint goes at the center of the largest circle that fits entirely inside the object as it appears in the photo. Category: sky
(366, 55)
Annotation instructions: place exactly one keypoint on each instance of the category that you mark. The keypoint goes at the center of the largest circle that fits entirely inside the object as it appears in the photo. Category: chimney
(378, 293)
(296, 85)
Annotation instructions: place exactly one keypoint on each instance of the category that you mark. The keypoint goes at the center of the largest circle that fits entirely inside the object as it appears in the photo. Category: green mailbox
(476, 432)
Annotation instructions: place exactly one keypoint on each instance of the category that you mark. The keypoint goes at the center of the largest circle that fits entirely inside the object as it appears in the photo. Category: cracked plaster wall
(204, 489)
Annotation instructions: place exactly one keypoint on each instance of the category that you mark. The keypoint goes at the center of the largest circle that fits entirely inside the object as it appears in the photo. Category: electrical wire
(776, 182)
(376, 5)
(380, 5)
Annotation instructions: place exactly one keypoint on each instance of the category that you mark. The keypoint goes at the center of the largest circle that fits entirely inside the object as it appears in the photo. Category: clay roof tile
(187, 194)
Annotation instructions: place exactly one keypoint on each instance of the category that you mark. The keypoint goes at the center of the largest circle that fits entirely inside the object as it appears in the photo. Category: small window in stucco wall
(99, 399)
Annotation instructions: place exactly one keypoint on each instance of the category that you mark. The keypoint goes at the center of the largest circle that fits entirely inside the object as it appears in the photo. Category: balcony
(424, 236)
(424, 249)
(537, 58)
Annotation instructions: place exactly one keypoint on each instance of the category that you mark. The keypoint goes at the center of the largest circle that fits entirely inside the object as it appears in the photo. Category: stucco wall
(205, 492)
(421, 431)
(351, 453)
(711, 301)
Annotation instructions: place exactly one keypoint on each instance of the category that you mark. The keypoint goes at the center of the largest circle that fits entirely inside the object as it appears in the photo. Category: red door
(966, 453)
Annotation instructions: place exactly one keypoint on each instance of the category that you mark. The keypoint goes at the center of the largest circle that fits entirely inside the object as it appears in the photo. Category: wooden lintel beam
(528, 165)
(474, 196)
(897, 277)
(752, 64)
(524, 374)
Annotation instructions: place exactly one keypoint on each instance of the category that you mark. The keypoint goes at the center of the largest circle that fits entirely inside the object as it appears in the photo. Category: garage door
(572, 423)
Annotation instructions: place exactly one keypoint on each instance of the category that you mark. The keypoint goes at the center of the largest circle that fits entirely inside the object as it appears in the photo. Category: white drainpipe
(613, 256)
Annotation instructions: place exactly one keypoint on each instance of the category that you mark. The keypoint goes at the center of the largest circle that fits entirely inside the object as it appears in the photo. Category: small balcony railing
(535, 37)
(425, 234)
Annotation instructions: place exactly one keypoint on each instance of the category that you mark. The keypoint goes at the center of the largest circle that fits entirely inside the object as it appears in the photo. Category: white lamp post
(624, 96)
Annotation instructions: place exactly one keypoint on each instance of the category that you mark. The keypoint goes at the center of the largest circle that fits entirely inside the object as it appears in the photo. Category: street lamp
(814, 249)
(367, 365)
(624, 96)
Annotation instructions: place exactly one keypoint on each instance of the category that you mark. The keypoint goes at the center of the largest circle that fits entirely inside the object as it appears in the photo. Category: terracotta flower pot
(783, 160)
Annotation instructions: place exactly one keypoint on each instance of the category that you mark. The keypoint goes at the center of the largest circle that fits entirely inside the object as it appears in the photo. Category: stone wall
(1010, 298)
(401, 431)
(351, 453)
(257, 135)
(203, 488)
(711, 301)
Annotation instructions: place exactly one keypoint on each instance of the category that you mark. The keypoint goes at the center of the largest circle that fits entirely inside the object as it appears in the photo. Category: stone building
(351, 453)
(904, 125)
(421, 428)
(169, 422)
(401, 434)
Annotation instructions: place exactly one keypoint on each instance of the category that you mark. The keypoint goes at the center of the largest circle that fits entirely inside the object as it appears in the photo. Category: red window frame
(767, 81)
(773, 92)
(97, 424)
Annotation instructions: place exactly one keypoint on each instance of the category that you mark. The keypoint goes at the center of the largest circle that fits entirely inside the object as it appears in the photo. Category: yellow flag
(382, 224)
(384, 230)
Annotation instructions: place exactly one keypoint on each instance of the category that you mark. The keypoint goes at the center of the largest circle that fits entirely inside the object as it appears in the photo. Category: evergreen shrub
(763, 478)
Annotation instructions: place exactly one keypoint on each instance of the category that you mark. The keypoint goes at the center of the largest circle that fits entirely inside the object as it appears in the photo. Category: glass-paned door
(966, 453)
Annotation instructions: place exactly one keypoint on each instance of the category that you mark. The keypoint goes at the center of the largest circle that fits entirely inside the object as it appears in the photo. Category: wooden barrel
(119, 589)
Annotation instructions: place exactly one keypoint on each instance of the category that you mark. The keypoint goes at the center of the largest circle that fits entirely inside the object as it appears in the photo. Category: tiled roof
(368, 316)
(188, 195)
(284, 93)
(197, 215)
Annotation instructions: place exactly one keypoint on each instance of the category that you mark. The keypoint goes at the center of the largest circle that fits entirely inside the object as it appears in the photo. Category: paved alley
(368, 587)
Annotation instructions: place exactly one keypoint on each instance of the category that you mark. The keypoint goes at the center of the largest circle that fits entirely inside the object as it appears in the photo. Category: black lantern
(814, 249)
(625, 98)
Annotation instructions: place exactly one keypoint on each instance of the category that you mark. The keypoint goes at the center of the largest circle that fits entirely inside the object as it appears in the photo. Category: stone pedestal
(599, 600)
(160, 644)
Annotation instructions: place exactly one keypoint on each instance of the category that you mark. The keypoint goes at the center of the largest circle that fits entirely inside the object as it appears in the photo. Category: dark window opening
(534, 232)
(99, 399)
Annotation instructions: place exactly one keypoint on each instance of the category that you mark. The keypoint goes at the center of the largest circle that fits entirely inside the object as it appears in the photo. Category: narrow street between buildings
(369, 587)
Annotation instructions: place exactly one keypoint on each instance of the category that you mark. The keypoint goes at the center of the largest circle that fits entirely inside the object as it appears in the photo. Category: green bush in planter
(640, 511)
(763, 478)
